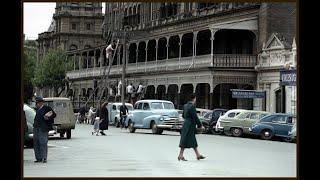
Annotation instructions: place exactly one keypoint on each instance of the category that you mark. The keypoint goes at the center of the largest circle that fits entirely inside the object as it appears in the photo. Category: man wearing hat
(42, 125)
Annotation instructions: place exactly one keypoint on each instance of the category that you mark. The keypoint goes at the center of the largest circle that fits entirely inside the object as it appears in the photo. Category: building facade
(74, 26)
(176, 49)
(277, 54)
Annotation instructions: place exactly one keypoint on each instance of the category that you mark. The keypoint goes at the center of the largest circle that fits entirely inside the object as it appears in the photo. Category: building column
(74, 62)
(94, 59)
(167, 45)
(213, 32)
(101, 57)
(145, 64)
(157, 54)
(137, 56)
(79, 61)
(195, 43)
(87, 59)
(180, 44)
(194, 46)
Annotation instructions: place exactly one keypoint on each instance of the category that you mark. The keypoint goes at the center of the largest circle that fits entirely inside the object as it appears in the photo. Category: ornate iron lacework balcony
(230, 61)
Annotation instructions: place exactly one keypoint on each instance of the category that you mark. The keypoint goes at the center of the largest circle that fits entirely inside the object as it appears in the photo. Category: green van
(65, 119)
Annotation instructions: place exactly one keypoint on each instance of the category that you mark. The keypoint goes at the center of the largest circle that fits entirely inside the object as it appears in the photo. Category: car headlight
(161, 118)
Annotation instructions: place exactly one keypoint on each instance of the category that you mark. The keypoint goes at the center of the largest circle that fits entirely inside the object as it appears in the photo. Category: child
(96, 126)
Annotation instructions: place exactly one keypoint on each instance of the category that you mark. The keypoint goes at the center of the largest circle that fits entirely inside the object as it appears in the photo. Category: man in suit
(43, 122)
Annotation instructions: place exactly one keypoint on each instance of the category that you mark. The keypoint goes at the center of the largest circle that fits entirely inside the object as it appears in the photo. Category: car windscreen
(168, 105)
(156, 105)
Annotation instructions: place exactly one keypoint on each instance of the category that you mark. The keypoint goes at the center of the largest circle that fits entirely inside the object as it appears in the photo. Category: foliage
(51, 71)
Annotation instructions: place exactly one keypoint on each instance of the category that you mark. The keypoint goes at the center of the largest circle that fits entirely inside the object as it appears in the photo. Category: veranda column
(157, 54)
(180, 44)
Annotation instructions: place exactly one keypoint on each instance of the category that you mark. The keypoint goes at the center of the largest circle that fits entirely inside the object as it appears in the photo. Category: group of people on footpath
(44, 120)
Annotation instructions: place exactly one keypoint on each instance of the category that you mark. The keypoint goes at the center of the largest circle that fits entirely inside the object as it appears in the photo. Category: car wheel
(62, 134)
(68, 133)
(116, 122)
(213, 131)
(154, 127)
(237, 132)
(266, 134)
(288, 139)
(131, 128)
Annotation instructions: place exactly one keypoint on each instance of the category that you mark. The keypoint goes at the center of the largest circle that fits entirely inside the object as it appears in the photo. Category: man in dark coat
(43, 122)
(103, 114)
(188, 137)
(123, 114)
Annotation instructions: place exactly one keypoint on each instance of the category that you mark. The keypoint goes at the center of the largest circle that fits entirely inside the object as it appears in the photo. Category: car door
(137, 114)
(249, 120)
(279, 124)
(146, 112)
(287, 127)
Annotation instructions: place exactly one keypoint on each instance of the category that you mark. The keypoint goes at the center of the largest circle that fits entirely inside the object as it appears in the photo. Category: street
(142, 154)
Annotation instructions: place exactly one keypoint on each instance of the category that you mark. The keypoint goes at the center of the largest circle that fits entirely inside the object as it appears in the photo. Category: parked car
(201, 112)
(241, 123)
(30, 113)
(114, 112)
(210, 119)
(157, 115)
(229, 114)
(65, 120)
(277, 124)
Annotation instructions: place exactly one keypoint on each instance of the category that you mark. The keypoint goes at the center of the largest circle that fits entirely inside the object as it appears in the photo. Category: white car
(230, 114)
(114, 112)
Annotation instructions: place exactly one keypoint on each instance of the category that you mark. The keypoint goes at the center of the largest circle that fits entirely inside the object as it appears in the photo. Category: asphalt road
(142, 154)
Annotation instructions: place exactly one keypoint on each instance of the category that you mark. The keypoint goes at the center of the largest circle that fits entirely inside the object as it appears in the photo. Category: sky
(37, 18)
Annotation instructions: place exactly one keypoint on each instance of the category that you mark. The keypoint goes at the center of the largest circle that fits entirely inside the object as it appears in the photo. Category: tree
(51, 72)
(28, 67)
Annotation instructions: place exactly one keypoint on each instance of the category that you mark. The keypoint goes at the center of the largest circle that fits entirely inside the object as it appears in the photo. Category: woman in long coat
(104, 118)
(188, 137)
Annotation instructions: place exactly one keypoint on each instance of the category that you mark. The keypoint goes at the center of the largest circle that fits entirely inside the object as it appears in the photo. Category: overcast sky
(37, 18)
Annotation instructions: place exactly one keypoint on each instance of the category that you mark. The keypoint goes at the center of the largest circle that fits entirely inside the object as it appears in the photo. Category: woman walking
(188, 137)
(104, 118)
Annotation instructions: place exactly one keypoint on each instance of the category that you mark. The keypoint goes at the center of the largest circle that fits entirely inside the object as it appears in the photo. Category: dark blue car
(277, 124)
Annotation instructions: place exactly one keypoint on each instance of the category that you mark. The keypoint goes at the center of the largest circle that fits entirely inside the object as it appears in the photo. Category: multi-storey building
(74, 26)
(181, 48)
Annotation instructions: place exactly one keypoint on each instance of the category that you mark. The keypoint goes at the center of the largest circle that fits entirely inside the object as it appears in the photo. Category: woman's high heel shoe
(182, 159)
(200, 157)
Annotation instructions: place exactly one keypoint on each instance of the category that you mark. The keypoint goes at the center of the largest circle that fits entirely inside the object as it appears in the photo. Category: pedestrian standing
(123, 114)
(91, 115)
(43, 122)
(96, 126)
(129, 91)
(188, 138)
(104, 119)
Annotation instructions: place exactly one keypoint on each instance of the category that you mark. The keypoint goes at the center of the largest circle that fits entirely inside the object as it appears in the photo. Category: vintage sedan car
(277, 124)
(114, 112)
(241, 123)
(229, 114)
(157, 115)
(209, 120)
(30, 113)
